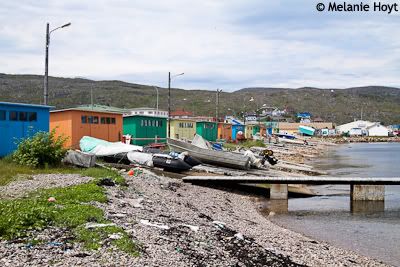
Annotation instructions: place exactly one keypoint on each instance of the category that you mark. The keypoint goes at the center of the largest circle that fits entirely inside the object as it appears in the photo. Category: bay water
(367, 227)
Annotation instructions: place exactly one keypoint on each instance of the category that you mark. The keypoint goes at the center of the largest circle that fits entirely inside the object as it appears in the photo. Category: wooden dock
(361, 188)
(295, 180)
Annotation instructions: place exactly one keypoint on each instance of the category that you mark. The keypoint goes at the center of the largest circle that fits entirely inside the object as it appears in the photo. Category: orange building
(224, 131)
(75, 123)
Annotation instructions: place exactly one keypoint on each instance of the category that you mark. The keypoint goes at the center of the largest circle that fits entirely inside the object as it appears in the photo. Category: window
(112, 120)
(84, 119)
(22, 116)
(2, 115)
(13, 116)
(156, 123)
(141, 123)
(150, 112)
(90, 119)
(160, 123)
(103, 120)
(96, 120)
(108, 120)
(32, 116)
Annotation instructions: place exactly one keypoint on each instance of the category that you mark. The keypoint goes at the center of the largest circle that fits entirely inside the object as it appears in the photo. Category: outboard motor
(268, 155)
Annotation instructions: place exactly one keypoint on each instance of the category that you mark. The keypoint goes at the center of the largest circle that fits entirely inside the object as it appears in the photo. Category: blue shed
(235, 129)
(18, 121)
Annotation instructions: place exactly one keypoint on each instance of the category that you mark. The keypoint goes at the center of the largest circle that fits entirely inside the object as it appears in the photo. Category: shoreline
(162, 214)
(360, 139)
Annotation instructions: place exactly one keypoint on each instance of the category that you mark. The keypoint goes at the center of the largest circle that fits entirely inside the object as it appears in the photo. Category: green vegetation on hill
(339, 105)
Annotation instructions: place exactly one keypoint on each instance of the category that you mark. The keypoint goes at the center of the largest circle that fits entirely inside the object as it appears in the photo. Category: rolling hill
(378, 103)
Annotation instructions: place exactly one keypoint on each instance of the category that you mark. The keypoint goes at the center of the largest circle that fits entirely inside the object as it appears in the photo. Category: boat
(209, 156)
(305, 130)
(170, 164)
(286, 136)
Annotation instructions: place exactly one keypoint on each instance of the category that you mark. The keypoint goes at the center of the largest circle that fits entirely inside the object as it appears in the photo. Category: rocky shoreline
(180, 224)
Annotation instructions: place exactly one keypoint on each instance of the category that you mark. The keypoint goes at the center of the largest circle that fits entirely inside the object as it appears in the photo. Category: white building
(377, 130)
(147, 112)
(345, 128)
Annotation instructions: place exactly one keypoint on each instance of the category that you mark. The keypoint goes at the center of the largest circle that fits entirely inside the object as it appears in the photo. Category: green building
(207, 129)
(145, 129)
(256, 129)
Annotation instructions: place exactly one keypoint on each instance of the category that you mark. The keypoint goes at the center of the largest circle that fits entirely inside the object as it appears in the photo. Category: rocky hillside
(378, 103)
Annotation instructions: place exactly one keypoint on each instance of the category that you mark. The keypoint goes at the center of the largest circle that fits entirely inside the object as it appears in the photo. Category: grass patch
(71, 210)
(94, 238)
(245, 144)
(10, 171)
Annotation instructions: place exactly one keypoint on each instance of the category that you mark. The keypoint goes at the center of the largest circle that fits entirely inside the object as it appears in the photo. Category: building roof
(25, 105)
(144, 115)
(181, 113)
(377, 124)
(95, 108)
(144, 109)
(318, 119)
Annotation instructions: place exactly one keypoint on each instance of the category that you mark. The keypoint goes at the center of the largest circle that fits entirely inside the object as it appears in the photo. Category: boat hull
(207, 156)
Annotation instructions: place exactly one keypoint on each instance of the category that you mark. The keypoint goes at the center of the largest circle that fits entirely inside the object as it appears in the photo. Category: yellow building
(183, 129)
(248, 132)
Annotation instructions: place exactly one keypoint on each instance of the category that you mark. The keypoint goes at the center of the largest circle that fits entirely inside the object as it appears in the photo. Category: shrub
(42, 149)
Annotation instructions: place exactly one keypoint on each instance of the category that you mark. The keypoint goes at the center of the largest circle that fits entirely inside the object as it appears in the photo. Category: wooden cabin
(75, 123)
(19, 121)
(225, 131)
(183, 129)
(207, 129)
(145, 130)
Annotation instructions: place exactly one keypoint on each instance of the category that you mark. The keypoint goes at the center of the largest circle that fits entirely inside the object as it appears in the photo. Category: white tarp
(103, 148)
(253, 159)
(140, 158)
(199, 141)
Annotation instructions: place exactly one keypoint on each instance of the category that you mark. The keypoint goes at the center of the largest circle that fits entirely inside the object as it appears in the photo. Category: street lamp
(169, 100)
(46, 71)
(155, 87)
(217, 104)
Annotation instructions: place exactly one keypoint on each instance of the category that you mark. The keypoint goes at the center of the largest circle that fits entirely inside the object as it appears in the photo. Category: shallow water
(369, 228)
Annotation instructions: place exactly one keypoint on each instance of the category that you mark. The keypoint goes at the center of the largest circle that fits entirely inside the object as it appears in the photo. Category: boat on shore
(209, 156)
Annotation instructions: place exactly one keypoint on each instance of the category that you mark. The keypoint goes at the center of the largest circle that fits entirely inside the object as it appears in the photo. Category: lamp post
(155, 87)
(46, 66)
(169, 100)
(217, 104)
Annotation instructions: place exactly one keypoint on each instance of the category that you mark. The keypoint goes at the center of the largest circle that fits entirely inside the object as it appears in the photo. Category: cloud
(218, 44)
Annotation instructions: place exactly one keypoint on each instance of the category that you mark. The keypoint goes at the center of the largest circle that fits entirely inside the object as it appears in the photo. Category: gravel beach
(21, 188)
(179, 224)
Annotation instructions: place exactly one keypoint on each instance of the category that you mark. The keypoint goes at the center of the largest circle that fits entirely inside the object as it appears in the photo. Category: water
(369, 228)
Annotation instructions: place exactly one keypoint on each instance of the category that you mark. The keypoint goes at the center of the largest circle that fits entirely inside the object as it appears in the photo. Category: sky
(226, 44)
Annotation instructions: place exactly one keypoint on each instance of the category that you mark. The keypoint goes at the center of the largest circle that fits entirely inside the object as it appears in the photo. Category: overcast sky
(227, 44)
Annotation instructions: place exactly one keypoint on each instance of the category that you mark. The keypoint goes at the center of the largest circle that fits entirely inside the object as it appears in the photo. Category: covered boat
(209, 156)
(305, 130)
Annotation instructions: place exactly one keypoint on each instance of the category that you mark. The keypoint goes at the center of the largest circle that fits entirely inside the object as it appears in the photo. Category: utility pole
(169, 105)
(155, 87)
(46, 63)
(169, 101)
(46, 67)
(217, 104)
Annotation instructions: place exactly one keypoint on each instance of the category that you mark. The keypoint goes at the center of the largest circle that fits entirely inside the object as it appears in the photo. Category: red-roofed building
(181, 114)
